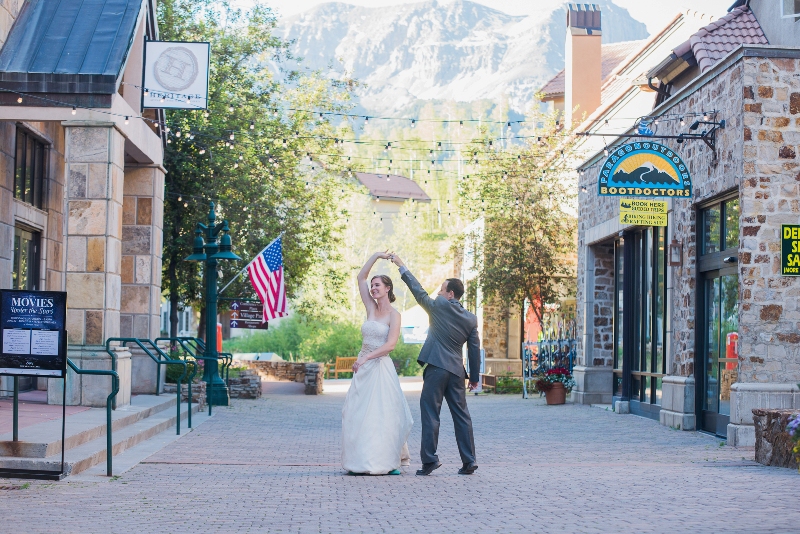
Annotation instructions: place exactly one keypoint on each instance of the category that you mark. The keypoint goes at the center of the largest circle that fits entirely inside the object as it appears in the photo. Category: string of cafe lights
(441, 146)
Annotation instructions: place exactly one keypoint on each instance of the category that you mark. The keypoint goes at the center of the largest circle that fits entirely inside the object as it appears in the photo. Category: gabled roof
(711, 43)
(69, 46)
(392, 187)
(611, 56)
(719, 38)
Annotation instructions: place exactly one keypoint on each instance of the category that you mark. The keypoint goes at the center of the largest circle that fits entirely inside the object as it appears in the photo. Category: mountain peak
(442, 49)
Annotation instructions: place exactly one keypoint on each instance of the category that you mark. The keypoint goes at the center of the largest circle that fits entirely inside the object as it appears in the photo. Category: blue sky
(654, 13)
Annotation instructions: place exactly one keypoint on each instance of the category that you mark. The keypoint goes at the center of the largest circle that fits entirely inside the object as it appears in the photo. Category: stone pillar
(94, 162)
(593, 374)
(142, 221)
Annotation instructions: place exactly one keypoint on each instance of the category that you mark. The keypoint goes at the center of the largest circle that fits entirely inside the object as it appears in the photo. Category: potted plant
(555, 383)
(793, 429)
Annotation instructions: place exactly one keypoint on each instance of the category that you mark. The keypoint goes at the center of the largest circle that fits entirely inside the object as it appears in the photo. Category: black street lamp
(206, 249)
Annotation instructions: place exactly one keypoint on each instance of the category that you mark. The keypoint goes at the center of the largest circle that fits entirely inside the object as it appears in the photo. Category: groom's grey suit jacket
(450, 327)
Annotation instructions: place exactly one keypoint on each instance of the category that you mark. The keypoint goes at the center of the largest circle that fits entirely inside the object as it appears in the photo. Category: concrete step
(93, 452)
(44, 439)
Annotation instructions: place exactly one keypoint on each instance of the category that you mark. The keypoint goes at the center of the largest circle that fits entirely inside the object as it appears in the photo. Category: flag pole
(249, 264)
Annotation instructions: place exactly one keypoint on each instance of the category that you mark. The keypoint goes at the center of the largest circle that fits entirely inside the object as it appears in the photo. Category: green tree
(247, 153)
(526, 197)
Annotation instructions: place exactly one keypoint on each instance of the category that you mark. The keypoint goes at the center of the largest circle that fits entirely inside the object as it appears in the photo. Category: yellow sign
(643, 212)
(790, 250)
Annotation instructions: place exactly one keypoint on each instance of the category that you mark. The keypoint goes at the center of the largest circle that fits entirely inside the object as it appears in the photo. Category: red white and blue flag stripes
(266, 275)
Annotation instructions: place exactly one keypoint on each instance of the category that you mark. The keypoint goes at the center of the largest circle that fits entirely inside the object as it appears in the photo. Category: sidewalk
(273, 465)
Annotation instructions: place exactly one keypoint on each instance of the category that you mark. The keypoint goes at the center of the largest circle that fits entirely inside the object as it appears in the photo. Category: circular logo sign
(644, 169)
(176, 68)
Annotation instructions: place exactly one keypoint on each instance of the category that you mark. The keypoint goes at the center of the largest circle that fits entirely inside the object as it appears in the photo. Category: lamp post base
(217, 394)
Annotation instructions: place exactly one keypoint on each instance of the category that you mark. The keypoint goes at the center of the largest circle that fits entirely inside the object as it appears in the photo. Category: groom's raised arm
(420, 295)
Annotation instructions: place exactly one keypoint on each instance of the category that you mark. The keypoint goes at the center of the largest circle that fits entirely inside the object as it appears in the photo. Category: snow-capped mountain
(436, 50)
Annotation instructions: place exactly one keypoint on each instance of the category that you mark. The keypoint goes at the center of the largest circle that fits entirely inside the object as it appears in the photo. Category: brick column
(142, 221)
(94, 170)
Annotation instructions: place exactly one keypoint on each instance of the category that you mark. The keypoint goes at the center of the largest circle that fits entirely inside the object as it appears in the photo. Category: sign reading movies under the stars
(644, 169)
(33, 334)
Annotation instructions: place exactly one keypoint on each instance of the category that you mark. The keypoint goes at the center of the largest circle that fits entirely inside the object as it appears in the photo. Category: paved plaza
(273, 465)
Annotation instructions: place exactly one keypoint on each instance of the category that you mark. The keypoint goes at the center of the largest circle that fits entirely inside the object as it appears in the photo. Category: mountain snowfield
(453, 51)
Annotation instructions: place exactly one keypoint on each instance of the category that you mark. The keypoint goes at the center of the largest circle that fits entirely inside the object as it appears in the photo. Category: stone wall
(247, 386)
(309, 374)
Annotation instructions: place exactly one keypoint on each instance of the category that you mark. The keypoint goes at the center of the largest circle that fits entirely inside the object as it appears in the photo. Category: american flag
(266, 275)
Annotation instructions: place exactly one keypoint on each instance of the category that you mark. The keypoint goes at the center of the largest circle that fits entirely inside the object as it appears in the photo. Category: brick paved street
(272, 465)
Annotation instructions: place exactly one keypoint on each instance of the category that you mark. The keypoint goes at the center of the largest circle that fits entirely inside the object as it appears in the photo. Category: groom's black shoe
(427, 469)
(468, 469)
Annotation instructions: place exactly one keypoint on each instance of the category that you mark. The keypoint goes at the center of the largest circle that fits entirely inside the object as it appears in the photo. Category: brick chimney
(582, 70)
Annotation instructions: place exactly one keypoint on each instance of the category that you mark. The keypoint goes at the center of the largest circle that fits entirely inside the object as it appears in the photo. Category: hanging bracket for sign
(709, 137)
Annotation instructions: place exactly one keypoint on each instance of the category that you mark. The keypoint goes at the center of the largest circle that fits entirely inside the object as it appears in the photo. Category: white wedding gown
(376, 419)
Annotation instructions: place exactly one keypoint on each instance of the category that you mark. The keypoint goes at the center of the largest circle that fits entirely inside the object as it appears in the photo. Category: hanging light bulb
(252, 125)
(74, 110)
(231, 136)
(705, 115)
(178, 133)
(19, 100)
(188, 99)
(146, 91)
(126, 120)
(236, 165)
(179, 198)
(605, 151)
(230, 108)
(683, 122)
(205, 114)
(275, 112)
(185, 204)
(413, 122)
(162, 99)
(202, 151)
(366, 119)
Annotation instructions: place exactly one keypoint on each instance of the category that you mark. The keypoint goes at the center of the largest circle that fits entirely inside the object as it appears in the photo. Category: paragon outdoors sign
(34, 341)
(175, 75)
(790, 250)
(644, 169)
(643, 212)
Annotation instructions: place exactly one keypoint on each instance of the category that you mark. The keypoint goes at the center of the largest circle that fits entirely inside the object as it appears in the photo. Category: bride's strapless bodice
(374, 334)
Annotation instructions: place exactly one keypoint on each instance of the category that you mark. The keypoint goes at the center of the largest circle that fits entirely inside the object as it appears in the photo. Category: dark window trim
(40, 189)
(36, 237)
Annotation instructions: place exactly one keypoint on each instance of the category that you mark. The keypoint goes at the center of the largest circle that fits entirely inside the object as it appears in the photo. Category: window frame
(39, 165)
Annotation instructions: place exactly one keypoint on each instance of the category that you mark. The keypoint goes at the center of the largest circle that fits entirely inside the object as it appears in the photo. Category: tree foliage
(525, 196)
(247, 153)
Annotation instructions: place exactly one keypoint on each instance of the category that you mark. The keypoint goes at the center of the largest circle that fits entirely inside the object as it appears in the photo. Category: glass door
(718, 314)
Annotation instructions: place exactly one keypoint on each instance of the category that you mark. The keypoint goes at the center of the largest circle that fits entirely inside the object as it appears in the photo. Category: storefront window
(718, 364)
(647, 284)
(711, 230)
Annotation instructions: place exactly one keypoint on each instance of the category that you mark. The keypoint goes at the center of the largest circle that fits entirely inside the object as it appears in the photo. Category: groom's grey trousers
(439, 384)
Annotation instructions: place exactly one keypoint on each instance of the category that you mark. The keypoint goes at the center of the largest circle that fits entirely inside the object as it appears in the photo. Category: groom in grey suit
(450, 327)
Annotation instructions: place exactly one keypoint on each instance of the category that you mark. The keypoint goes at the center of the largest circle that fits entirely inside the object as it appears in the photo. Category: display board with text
(34, 339)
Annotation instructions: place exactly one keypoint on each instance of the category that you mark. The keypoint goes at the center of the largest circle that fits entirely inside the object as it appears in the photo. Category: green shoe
(394, 472)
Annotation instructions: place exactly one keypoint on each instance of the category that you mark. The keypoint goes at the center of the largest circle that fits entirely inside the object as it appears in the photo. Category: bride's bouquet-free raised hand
(545, 381)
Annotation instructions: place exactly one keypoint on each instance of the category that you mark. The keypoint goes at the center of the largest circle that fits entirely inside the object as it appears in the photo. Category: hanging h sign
(175, 75)
(644, 169)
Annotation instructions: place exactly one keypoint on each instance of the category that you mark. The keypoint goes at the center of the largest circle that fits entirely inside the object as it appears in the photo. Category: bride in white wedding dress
(376, 419)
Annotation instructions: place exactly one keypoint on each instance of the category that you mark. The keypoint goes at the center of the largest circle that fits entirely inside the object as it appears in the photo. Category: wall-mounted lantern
(675, 253)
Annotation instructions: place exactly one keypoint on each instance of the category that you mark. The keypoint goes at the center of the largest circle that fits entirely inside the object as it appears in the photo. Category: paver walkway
(273, 465)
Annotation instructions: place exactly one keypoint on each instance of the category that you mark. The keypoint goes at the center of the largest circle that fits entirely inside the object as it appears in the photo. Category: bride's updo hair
(388, 283)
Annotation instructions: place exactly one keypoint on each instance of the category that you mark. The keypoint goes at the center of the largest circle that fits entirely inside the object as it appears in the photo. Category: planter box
(773, 443)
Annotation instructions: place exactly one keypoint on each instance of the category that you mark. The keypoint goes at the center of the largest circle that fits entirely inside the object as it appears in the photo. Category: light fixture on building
(74, 110)
(675, 253)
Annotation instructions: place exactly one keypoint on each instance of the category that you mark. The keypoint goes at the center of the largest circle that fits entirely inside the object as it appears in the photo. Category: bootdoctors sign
(644, 169)
(33, 335)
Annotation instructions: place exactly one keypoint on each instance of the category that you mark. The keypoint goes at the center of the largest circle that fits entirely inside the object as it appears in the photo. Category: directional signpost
(247, 315)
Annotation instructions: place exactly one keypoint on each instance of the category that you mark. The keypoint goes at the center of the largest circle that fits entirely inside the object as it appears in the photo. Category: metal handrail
(195, 347)
(159, 362)
(227, 357)
(109, 401)
(190, 378)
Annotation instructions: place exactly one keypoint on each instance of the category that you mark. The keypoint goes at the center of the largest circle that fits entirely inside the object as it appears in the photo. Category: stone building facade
(722, 321)
(81, 192)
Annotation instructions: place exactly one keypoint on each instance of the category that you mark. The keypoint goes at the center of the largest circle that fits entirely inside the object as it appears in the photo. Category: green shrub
(508, 384)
